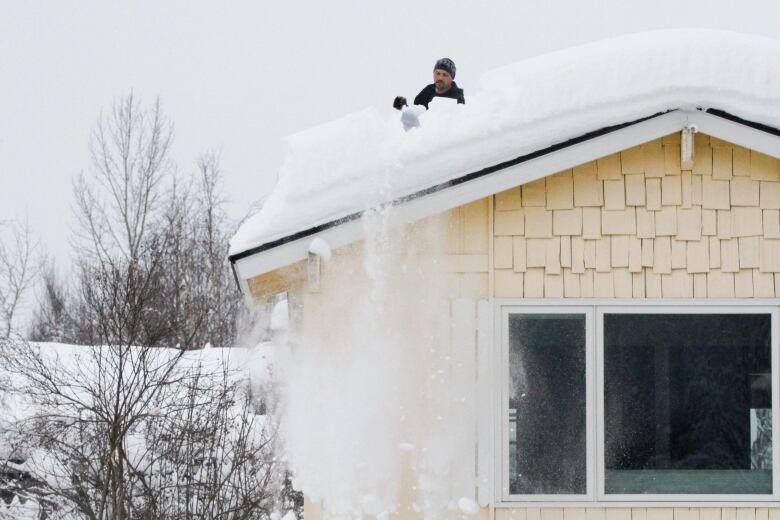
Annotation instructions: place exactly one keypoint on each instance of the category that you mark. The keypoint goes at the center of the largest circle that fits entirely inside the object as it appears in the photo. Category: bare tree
(223, 299)
(206, 306)
(85, 417)
(117, 206)
(130, 157)
(133, 430)
(167, 237)
(182, 441)
(52, 319)
(216, 458)
(17, 271)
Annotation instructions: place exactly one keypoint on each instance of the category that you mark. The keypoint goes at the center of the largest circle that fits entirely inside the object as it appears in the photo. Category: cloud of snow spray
(371, 422)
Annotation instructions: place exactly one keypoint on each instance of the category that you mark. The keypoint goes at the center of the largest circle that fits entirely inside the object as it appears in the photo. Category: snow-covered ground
(255, 363)
(80, 366)
(365, 158)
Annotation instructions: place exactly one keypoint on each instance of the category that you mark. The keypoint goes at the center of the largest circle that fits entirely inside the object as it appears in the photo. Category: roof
(582, 101)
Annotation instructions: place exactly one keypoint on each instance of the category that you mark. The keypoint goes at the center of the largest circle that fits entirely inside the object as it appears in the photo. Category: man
(443, 84)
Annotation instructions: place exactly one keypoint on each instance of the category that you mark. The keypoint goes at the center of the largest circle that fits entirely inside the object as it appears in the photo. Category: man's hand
(399, 102)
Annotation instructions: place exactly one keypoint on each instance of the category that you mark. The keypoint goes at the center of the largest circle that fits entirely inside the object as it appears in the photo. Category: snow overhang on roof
(529, 120)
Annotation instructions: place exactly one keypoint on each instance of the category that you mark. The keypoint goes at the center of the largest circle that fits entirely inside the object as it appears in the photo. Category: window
(546, 402)
(547, 391)
(682, 408)
(687, 403)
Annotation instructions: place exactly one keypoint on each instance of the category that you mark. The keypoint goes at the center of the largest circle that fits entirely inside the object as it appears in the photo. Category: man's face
(442, 80)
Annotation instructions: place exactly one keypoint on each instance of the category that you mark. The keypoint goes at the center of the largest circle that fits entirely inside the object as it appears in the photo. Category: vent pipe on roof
(687, 148)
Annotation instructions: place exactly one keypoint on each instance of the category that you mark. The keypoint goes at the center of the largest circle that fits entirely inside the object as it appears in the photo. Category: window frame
(503, 429)
(594, 311)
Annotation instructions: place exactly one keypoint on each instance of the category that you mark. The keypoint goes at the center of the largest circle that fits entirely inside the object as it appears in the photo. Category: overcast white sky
(241, 75)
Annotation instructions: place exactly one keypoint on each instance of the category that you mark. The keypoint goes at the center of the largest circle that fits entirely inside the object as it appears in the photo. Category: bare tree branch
(18, 270)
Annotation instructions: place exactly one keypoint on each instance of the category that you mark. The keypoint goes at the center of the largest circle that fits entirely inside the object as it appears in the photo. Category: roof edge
(504, 175)
(444, 185)
(752, 124)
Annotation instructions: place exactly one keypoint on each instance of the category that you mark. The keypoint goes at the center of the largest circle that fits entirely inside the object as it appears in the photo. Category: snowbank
(364, 159)
(80, 373)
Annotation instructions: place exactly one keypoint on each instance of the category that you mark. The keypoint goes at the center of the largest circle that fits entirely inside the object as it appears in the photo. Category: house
(568, 286)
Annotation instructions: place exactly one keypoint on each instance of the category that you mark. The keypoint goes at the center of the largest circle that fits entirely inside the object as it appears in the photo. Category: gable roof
(523, 125)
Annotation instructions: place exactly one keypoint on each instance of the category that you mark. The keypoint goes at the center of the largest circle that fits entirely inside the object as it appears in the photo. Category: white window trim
(594, 310)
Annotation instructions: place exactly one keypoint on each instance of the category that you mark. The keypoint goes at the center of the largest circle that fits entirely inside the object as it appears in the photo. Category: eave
(499, 177)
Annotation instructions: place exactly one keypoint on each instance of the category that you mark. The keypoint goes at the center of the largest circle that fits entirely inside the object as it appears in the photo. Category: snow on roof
(364, 159)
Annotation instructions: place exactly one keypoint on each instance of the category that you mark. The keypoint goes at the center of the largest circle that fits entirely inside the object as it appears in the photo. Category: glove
(399, 102)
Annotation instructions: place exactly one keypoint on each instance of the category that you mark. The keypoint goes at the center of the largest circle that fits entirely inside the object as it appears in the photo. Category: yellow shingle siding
(634, 225)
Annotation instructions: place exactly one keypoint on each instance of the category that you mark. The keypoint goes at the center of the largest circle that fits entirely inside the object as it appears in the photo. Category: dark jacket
(428, 93)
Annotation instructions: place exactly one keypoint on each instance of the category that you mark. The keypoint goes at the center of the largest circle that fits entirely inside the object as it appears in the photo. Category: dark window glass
(687, 403)
(547, 404)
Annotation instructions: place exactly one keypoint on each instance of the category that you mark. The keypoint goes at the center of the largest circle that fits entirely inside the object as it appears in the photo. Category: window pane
(547, 404)
(687, 403)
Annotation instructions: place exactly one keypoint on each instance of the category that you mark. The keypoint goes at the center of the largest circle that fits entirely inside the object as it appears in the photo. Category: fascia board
(735, 133)
(291, 252)
(472, 190)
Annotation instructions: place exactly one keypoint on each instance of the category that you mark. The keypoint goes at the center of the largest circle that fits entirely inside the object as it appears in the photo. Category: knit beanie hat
(446, 65)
